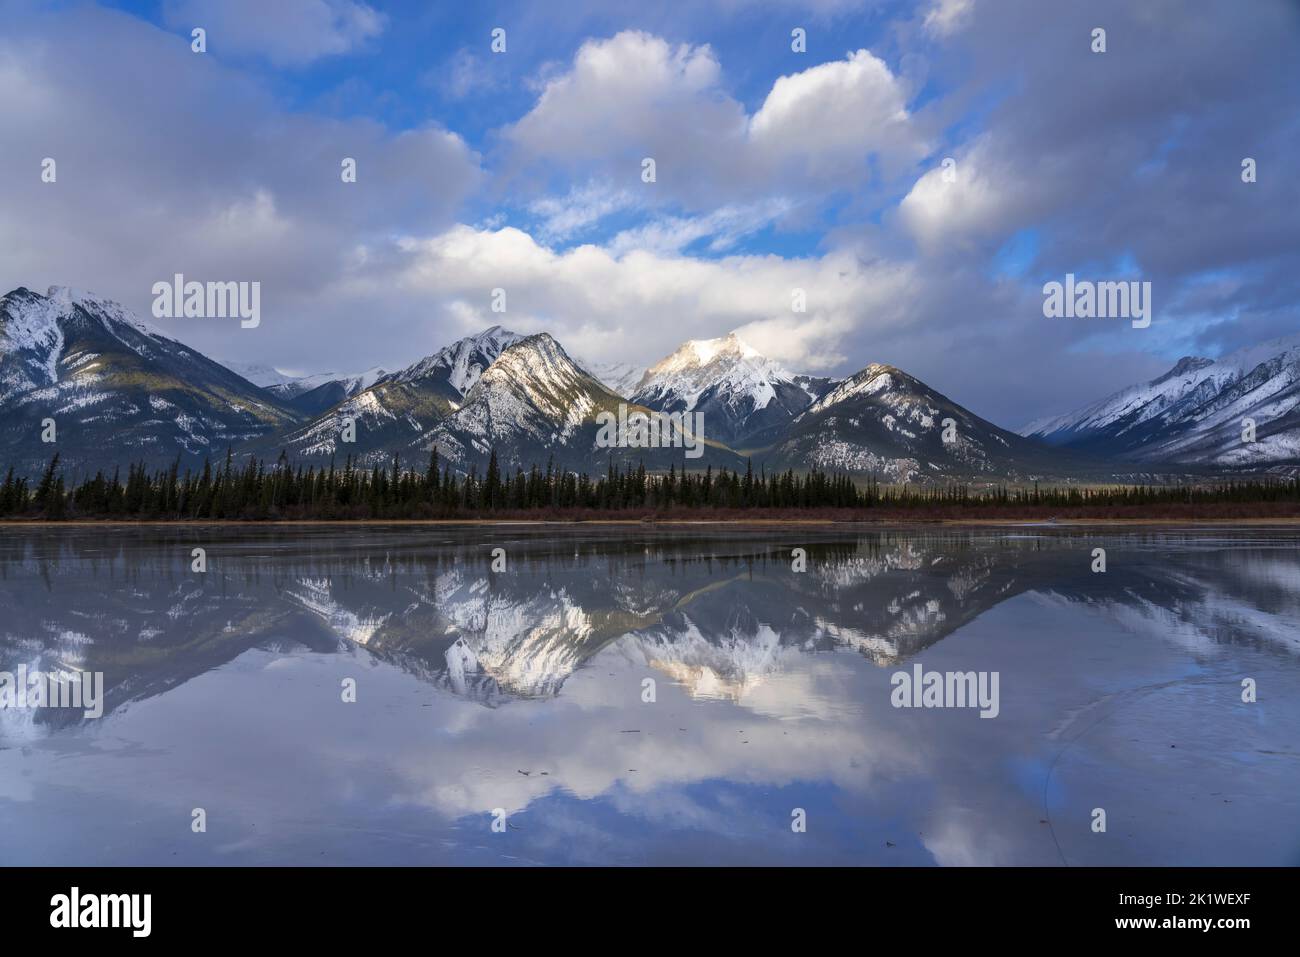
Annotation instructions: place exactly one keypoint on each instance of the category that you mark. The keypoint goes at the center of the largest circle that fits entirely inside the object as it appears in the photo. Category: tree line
(256, 491)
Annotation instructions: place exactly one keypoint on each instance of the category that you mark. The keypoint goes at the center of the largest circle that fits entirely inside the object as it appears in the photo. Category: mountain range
(309, 394)
(1197, 413)
(82, 376)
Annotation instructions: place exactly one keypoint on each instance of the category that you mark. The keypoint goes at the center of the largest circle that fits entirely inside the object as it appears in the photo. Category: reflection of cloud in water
(586, 751)
(767, 687)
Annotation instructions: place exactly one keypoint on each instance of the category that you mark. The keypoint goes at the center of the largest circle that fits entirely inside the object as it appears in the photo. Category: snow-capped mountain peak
(540, 368)
(698, 352)
(728, 362)
(461, 363)
(108, 311)
(30, 327)
(729, 367)
(742, 393)
(115, 385)
(36, 328)
(1133, 405)
(873, 379)
(309, 394)
(351, 382)
(532, 401)
(393, 411)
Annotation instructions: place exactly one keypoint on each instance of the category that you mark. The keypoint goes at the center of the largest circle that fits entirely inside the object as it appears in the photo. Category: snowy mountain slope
(743, 395)
(1194, 414)
(882, 422)
(535, 403)
(391, 414)
(314, 394)
(259, 373)
(621, 378)
(117, 388)
(457, 367)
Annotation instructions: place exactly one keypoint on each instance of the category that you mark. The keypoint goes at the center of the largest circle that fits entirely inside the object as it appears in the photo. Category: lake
(653, 695)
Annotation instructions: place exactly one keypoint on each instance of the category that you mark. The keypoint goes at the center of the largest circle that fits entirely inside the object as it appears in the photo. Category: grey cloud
(1134, 153)
(169, 161)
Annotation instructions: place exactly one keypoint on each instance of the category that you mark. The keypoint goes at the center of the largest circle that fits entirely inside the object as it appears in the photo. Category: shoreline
(901, 521)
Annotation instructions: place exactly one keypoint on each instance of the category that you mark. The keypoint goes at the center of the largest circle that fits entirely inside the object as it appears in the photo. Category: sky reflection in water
(522, 690)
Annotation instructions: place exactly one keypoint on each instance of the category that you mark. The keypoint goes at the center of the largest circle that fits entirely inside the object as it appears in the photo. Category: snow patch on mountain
(728, 665)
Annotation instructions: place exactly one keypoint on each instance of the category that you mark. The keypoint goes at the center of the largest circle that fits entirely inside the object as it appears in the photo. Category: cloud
(1131, 168)
(626, 98)
(639, 305)
(724, 227)
(463, 76)
(193, 163)
(181, 164)
(287, 32)
(830, 118)
(582, 207)
(635, 95)
(975, 197)
(946, 17)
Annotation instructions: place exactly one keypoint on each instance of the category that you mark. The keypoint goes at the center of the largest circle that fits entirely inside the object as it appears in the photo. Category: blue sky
(775, 170)
(432, 64)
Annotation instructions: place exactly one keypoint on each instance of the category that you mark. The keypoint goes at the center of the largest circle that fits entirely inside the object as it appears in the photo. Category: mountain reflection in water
(525, 690)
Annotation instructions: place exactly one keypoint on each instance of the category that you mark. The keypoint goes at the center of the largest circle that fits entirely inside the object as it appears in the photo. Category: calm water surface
(523, 690)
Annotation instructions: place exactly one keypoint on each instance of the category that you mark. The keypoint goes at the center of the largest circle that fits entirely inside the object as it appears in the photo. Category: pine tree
(492, 486)
(45, 490)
